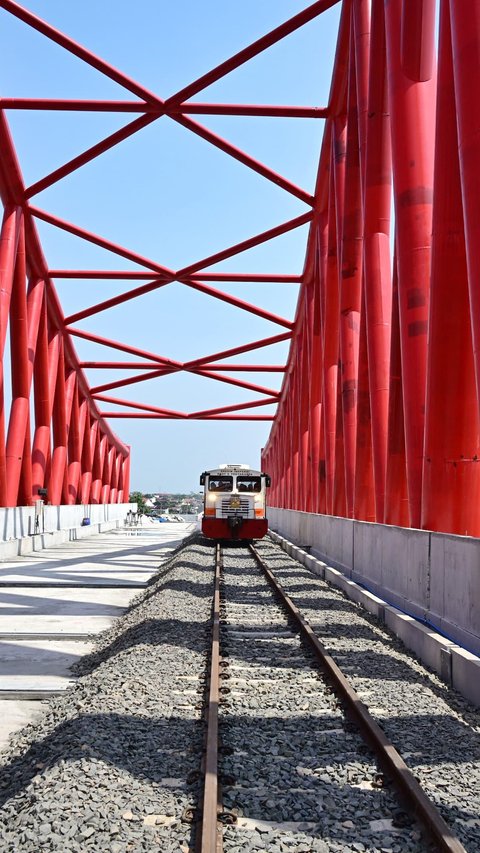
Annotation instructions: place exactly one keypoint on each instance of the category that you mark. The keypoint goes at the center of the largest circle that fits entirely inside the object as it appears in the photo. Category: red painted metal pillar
(45, 377)
(21, 377)
(396, 495)
(314, 367)
(59, 424)
(451, 484)
(339, 492)
(9, 236)
(332, 309)
(288, 446)
(317, 442)
(304, 383)
(295, 420)
(108, 465)
(75, 442)
(377, 268)
(115, 477)
(282, 494)
(465, 25)
(88, 449)
(351, 290)
(126, 478)
(412, 108)
(97, 470)
(70, 392)
(364, 490)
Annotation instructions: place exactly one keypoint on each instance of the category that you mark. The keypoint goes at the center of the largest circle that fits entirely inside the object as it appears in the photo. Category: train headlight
(210, 504)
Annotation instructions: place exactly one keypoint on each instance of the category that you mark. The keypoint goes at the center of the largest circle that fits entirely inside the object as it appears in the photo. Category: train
(234, 502)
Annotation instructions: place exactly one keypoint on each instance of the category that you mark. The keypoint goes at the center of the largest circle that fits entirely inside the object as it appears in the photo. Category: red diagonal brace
(240, 155)
(252, 50)
(80, 51)
(264, 342)
(107, 342)
(89, 155)
(239, 303)
(290, 225)
(98, 241)
(269, 392)
(116, 300)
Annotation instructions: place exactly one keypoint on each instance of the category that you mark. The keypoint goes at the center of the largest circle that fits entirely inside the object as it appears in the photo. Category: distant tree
(138, 498)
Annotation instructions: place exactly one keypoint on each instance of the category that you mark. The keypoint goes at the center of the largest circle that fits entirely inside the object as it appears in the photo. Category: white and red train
(234, 502)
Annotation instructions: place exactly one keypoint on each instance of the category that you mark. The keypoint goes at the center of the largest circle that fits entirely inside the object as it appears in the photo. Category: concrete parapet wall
(24, 529)
(455, 665)
(431, 576)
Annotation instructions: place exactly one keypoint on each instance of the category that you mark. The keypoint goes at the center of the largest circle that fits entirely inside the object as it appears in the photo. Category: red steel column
(288, 447)
(377, 270)
(364, 491)
(9, 235)
(115, 477)
(339, 493)
(317, 441)
(108, 464)
(465, 23)
(351, 289)
(451, 485)
(304, 381)
(332, 308)
(88, 449)
(412, 108)
(45, 377)
(396, 496)
(418, 34)
(314, 367)
(59, 424)
(75, 441)
(25, 313)
(295, 419)
(126, 478)
(20, 377)
(98, 463)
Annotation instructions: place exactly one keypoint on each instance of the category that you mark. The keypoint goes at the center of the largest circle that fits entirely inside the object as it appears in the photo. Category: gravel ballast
(294, 770)
(435, 729)
(114, 764)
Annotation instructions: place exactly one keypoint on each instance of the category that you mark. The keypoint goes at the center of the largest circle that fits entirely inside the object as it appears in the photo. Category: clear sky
(170, 196)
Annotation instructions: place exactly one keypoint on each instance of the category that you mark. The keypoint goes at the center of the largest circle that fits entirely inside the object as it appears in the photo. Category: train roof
(233, 469)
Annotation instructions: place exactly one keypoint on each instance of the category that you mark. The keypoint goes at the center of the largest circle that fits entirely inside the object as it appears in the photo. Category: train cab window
(220, 484)
(249, 484)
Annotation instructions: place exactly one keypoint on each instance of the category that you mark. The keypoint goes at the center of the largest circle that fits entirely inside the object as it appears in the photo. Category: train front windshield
(220, 484)
(249, 484)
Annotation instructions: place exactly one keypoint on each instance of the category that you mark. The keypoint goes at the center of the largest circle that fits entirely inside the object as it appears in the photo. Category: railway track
(294, 760)
(114, 764)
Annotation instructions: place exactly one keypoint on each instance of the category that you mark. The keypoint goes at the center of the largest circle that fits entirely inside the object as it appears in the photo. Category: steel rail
(388, 756)
(211, 834)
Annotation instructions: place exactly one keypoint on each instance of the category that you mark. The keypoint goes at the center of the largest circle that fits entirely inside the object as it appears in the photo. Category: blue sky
(171, 196)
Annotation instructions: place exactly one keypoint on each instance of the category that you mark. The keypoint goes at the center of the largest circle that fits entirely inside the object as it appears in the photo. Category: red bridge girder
(387, 428)
(377, 417)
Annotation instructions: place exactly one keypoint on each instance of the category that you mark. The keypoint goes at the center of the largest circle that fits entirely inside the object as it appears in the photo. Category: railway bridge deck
(117, 757)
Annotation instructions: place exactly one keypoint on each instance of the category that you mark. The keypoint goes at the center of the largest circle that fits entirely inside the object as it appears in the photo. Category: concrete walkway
(53, 602)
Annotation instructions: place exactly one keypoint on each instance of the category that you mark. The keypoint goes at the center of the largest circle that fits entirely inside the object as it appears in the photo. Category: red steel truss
(379, 412)
(378, 415)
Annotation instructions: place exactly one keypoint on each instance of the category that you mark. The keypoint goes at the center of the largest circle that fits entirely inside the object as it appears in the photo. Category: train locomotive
(234, 502)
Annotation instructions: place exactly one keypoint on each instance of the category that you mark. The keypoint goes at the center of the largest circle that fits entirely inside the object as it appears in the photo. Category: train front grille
(235, 505)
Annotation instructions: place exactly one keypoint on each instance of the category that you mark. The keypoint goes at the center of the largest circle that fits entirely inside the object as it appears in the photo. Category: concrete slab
(52, 602)
(466, 674)
(15, 715)
(35, 669)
